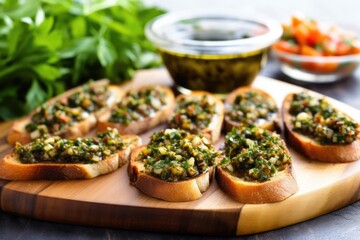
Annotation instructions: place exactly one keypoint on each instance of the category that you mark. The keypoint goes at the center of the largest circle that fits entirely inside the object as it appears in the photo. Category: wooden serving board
(110, 201)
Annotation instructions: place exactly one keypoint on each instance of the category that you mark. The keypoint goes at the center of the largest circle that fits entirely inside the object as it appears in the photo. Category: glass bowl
(215, 51)
(316, 69)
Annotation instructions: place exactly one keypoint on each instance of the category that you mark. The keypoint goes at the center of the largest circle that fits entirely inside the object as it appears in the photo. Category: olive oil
(214, 73)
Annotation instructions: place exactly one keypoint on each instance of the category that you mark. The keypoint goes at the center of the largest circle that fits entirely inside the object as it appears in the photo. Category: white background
(343, 12)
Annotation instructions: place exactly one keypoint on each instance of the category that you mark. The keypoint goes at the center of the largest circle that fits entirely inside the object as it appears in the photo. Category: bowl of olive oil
(215, 51)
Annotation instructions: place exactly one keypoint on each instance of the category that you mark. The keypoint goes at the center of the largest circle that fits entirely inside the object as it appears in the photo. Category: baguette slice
(181, 191)
(314, 150)
(116, 93)
(213, 130)
(19, 134)
(277, 189)
(271, 124)
(244, 185)
(142, 125)
(12, 169)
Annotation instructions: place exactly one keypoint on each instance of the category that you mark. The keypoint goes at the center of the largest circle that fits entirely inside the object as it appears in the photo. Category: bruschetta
(247, 106)
(95, 97)
(140, 110)
(71, 114)
(320, 131)
(256, 167)
(175, 166)
(53, 157)
(199, 112)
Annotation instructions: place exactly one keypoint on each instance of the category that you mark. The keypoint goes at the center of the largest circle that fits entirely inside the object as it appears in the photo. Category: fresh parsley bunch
(47, 46)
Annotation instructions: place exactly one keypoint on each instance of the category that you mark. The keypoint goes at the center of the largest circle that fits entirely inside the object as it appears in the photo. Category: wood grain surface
(110, 201)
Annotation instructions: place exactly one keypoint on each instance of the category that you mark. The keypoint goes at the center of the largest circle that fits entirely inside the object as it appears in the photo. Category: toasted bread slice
(181, 191)
(277, 189)
(333, 153)
(12, 169)
(19, 134)
(175, 166)
(213, 130)
(143, 124)
(270, 122)
(116, 93)
(256, 167)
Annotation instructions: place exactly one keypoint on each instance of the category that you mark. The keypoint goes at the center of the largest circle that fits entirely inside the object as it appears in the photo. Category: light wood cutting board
(110, 201)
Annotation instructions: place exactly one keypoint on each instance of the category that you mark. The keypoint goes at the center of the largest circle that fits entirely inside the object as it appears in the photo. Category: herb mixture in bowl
(215, 51)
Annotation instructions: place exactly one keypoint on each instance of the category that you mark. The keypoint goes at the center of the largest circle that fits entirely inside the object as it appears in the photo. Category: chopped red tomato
(286, 46)
(356, 47)
(344, 48)
(301, 33)
(305, 36)
(309, 51)
(304, 33)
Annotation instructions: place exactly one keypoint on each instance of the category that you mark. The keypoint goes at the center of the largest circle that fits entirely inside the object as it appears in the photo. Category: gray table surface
(340, 224)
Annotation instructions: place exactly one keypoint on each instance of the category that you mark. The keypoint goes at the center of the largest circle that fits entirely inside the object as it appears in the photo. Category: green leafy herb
(47, 46)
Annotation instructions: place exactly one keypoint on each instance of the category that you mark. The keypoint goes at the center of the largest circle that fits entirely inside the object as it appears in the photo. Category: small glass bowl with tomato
(315, 52)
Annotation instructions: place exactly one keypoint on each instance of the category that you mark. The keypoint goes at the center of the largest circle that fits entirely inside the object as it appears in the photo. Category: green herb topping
(193, 113)
(54, 118)
(316, 118)
(67, 111)
(174, 155)
(254, 154)
(251, 108)
(53, 149)
(90, 99)
(139, 104)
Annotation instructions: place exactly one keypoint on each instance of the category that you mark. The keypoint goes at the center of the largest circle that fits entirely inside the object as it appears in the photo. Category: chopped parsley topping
(53, 149)
(90, 99)
(67, 111)
(251, 108)
(139, 104)
(316, 118)
(53, 119)
(254, 154)
(193, 113)
(174, 155)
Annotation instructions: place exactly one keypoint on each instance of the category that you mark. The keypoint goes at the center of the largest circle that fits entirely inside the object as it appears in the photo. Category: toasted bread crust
(271, 125)
(312, 149)
(12, 169)
(213, 131)
(19, 134)
(181, 191)
(143, 125)
(277, 189)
